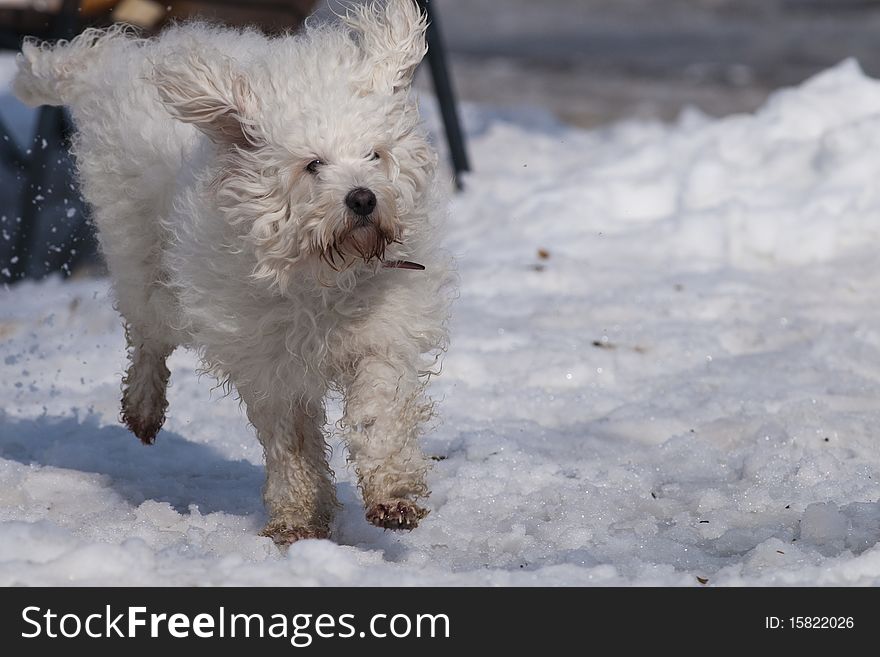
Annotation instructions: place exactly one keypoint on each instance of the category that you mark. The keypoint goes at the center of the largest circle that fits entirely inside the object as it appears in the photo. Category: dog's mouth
(363, 240)
(366, 241)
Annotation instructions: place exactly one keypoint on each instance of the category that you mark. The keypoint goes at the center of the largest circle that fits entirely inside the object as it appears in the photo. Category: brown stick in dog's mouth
(402, 264)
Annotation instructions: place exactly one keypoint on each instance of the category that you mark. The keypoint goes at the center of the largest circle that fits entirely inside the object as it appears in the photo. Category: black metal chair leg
(445, 95)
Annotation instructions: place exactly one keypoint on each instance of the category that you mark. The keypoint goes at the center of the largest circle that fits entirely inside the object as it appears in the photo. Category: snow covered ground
(665, 366)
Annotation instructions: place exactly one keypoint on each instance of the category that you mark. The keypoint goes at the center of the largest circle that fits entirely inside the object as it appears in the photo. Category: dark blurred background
(595, 61)
(588, 62)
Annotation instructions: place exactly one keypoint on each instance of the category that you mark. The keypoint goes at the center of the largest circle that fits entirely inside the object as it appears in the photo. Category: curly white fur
(217, 163)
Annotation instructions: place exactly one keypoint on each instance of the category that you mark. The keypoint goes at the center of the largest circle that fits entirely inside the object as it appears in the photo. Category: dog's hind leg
(385, 407)
(299, 492)
(143, 388)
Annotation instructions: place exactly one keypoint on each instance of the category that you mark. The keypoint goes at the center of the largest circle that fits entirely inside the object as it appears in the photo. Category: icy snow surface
(686, 384)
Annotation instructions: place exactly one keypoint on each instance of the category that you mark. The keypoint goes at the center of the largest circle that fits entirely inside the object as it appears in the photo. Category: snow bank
(665, 366)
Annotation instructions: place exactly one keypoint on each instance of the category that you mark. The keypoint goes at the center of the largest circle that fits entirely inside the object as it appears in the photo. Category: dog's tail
(47, 73)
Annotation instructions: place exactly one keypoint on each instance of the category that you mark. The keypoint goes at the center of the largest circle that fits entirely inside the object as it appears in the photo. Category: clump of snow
(665, 365)
(825, 526)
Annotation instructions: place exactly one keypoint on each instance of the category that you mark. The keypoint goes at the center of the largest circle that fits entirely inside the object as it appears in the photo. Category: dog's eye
(313, 166)
(375, 155)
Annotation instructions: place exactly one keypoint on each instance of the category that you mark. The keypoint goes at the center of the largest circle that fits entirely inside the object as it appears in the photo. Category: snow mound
(665, 366)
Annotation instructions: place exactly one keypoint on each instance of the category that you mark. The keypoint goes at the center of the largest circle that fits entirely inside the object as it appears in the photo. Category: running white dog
(260, 200)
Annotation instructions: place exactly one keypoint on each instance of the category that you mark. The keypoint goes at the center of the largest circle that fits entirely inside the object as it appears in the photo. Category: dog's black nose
(361, 201)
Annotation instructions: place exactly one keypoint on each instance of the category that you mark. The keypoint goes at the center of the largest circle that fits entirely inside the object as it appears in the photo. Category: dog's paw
(144, 428)
(284, 534)
(399, 514)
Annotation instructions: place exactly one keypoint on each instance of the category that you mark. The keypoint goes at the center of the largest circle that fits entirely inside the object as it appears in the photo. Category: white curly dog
(271, 203)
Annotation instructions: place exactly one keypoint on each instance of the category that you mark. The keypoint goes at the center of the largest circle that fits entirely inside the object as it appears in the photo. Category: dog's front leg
(384, 408)
(299, 492)
(143, 387)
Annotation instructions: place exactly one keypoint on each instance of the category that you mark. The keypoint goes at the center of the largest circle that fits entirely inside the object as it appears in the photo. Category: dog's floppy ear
(392, 38)
(211, 93)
